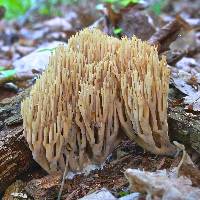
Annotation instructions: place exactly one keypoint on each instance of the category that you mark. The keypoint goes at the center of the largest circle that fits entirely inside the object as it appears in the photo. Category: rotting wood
(16, 158)
(10, 110)
(184, 127)
(45, 188)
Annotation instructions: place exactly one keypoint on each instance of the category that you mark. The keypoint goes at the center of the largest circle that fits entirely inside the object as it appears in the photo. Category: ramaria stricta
(95, 90)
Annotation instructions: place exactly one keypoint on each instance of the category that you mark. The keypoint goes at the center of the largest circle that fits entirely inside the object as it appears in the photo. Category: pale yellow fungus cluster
(95, 90)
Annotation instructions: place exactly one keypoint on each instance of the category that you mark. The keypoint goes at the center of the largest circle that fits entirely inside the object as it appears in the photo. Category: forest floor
(26, 44)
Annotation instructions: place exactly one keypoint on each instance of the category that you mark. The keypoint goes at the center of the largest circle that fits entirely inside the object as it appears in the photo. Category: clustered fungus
(95, 90)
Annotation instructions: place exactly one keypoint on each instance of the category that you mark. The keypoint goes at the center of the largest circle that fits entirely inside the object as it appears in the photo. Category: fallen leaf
(177, 102)
(37, 60)
(193, 81)
(141, 25)
(161, 185)
(55, 24)
(193, 101)
(182, 86)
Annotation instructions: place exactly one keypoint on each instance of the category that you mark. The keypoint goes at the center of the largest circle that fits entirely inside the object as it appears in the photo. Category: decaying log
(10, 110)
(45, 188)
(15, 156)
(184, 127)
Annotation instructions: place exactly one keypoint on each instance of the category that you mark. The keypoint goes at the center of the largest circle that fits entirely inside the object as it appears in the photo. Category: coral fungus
(95, 90)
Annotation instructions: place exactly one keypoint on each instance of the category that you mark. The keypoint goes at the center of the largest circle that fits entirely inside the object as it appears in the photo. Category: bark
(16, 158)
(44, 188)
(184, 127)
(10, 111)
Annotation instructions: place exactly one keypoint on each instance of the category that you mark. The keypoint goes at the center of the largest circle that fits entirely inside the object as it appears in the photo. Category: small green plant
(7, 74)
(123, 193)
(2, 68)
(50, 7)
(16, 8)
(123, 3)
(157, 6)
(46, 49)
(117, 32)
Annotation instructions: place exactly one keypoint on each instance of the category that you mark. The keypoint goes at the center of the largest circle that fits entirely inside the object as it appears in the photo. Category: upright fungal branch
(144, 88)
(93, 91)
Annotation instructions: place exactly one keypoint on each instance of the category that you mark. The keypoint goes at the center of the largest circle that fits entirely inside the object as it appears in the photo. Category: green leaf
(2, 68)
(123, 193)
(8, 74)
(44, 10)
(111, 1)
(125, 3)
(157, 6)
(46, 49)
(16, 8)
(117, 31)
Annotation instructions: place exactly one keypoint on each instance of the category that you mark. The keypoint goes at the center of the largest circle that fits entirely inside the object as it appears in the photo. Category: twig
(7, 76)
(174, 57)
(180, 148)
(62, 183)
(166, 35)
